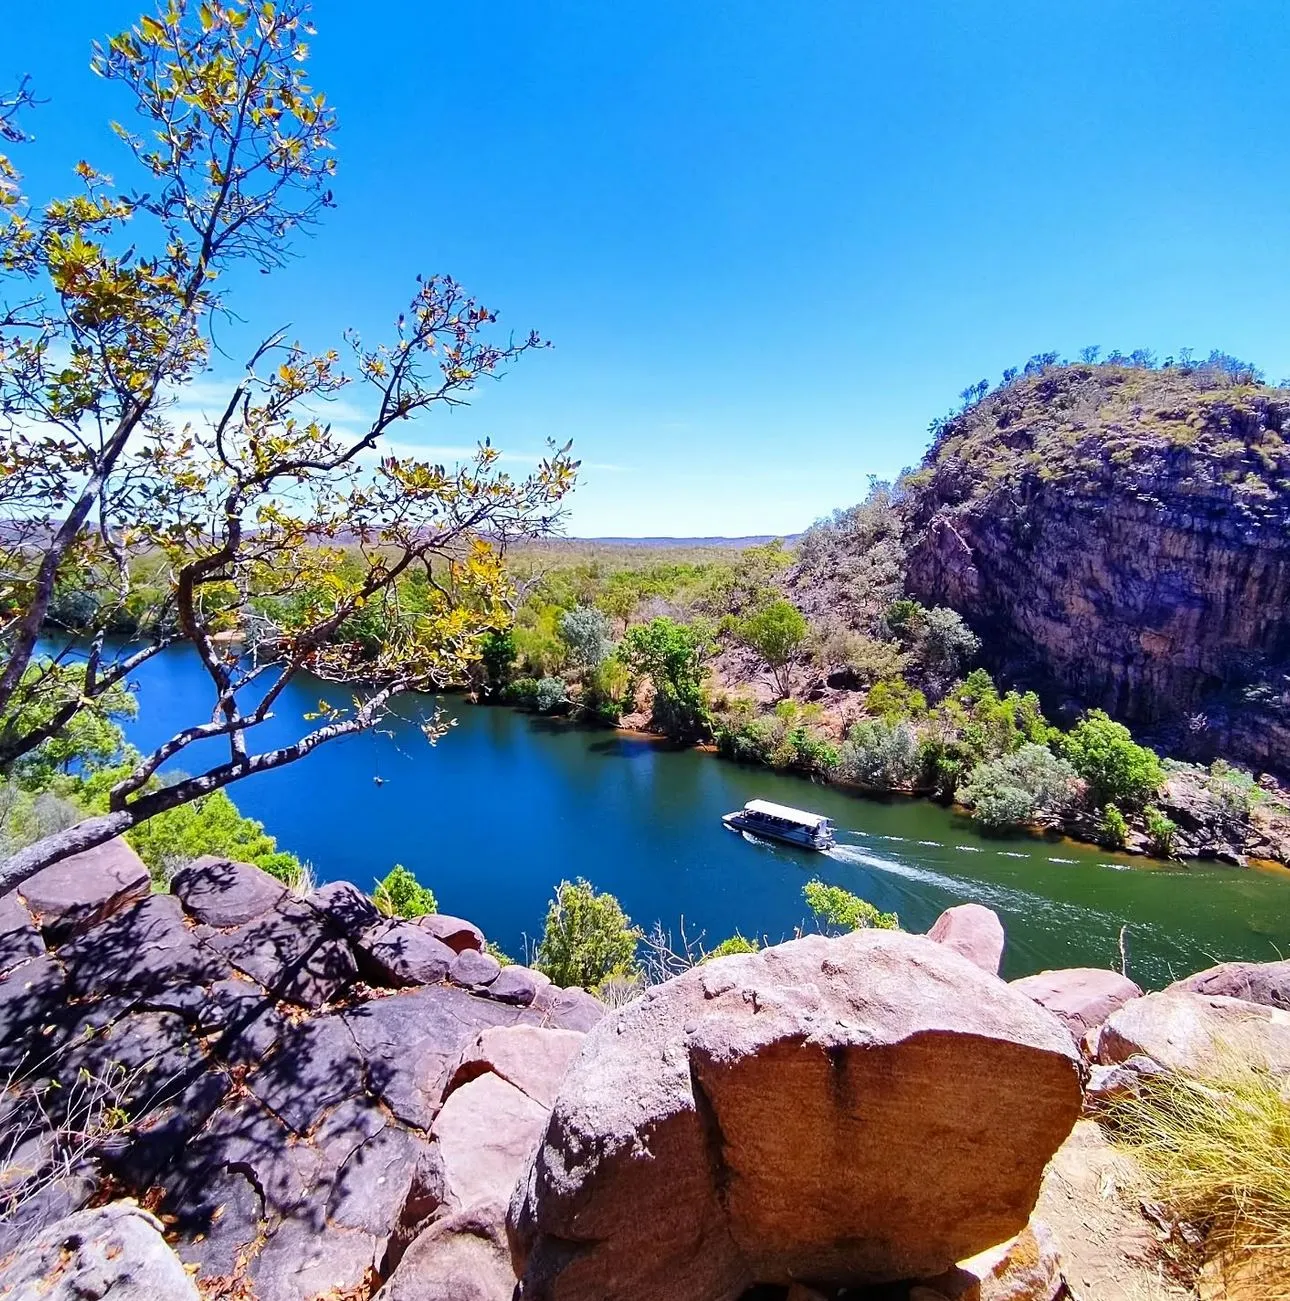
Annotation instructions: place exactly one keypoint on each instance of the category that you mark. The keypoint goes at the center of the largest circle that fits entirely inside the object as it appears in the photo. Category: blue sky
(769, 241)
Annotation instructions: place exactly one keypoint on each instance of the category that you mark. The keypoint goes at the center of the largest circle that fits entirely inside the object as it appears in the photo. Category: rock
(1255, 982)
(30, 997)
(457, 934)
(244, 1019)
(143, 1060)
(1025, 1268)
(115, 1252)
(474, 970)
(19, 938)
(532, 1058)
(697, 1134)
(518, 985)
(974, 931)
(1109, 1085)
(348, 909)
(221, 892)
(1197, 1034)
(569, 1009)
(463, 1257)
(399, 952)
(292, 951)
(318, 1064)
(84, 889)
(1080, 997)
(144, 950)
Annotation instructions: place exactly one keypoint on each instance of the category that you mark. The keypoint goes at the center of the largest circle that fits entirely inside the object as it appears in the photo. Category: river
(508, 804)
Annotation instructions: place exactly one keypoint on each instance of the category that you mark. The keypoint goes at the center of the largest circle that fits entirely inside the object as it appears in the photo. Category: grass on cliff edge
(1218, 1155)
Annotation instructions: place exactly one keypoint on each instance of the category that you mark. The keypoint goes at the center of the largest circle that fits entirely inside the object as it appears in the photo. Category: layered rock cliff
(1118, 537)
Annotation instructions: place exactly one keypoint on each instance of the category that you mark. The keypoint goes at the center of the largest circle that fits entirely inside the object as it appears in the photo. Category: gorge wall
(1118, 537)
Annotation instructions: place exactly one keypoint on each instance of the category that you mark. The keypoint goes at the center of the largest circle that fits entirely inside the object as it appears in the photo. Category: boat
(779, 822)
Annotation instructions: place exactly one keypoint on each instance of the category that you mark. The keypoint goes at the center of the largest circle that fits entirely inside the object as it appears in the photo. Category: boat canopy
(782, 812)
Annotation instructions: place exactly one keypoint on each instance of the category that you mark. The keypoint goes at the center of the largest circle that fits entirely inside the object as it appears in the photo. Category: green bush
(400, 894)
(1016, 789)
(775, 633)
(671, 655)
(549, 695)
(1112, 827)
(1117, 769)
(839, 909)
(1161, 831)
(587, 937)
(788, 737)
(735, 944)
(888, 756)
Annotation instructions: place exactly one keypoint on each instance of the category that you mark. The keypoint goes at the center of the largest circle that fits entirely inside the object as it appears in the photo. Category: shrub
(586, 632)
(735, 944)
(892, 699)
(400, 894)
(1235, 793)
(881, 754)
(1014, 790)
(1116, 768)
(1112, 827)
(549, 695)
(671, 655)
(786, 738)
(587, 937)
(841, 910)
(775, 632)
(1161, 831)
(522, 692)
(496, 656)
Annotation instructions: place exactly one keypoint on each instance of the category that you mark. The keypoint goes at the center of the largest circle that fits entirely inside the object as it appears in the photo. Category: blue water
(507, 804)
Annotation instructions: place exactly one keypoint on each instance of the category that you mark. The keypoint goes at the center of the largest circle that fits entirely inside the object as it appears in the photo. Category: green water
(508, 804)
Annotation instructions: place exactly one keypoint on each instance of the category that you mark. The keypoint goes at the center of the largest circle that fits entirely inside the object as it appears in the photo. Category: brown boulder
(533, 1058)
(1080, 997)
(220, 892)
(458, 934)
(1197, 1034)
(1025, 1268)
(1255, 982)
(699, 1134)
(83, 889)
(399, 952)
(974, 931)
(464, 1257)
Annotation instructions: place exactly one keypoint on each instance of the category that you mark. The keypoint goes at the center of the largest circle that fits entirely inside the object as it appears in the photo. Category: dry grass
(1217, 1153)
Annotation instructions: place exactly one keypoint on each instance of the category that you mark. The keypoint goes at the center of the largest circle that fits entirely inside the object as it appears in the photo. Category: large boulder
(115, 1252)
(221, 892)
(463, 1257)
(535, 1059)
(1255, 982)
(974, 931)
(849, 1110)
(457, 934)
(1080, 997)
(1025, 1268)
(84, 889)
(399, 952)
(1197, 1034)
(19, 938)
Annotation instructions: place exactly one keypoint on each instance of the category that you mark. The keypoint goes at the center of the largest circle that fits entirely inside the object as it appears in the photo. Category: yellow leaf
(152, 29)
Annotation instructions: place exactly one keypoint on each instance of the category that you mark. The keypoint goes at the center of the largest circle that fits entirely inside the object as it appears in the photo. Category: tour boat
(779, 822)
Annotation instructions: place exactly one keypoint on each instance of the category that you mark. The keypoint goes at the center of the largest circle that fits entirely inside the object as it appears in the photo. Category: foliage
(735, 944)
(1116, 768)
(1235, 793)
(893, 700)
(1112, 827)
(1217, 1151)
(210, 825)
(400, 894)
(27, 816)
(1161, 831)
(586, 632)
(938, 638)
(840, 910)
(587, 938)
(887, 756)
(671, 655)
(304, 530)
(775, 633)
(549, 695)
(497, 653)
(788, 737)
(1015, 789)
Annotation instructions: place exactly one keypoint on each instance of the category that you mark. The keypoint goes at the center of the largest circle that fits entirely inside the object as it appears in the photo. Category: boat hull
(800, 837)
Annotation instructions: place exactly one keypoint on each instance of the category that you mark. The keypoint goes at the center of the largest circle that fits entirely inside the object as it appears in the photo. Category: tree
(587, 937)
(400, 894)
(840, 909)
(496, 656)
(106, 305)
(1015, 789)
(586, 632)
(671, 655)
(775, 632)
(1117, 769)
(885, 755)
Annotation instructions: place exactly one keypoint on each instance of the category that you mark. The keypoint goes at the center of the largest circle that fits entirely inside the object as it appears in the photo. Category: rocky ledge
(302, 1100)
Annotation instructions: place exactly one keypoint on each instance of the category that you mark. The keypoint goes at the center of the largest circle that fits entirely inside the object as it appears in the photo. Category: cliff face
(1119, 539)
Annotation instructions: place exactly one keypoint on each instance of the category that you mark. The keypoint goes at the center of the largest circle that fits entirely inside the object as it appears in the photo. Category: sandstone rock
(1109, 1085)
(1197, 1034)
(30, 996)
(115, 1252)
(292, 951)
(474, 970)
(532, 1058)
(1255, 982)
(1080, 997)
(83, 889)
(457, 934)
(221, 892)
(19, 938)
(348, 909)
(463, 1257)
(399, 952)
(569, 1009)
(317, 1065)
(697, 1134)
(518, 985)
(1025, 1268)
(974, 931)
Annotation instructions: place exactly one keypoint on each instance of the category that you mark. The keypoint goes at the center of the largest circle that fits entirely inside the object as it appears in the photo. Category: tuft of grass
(1217, 1152)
